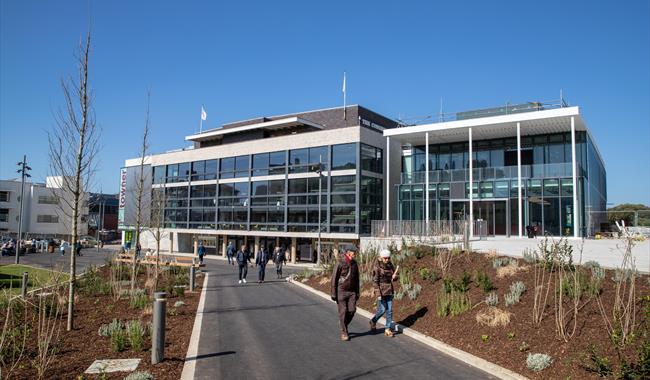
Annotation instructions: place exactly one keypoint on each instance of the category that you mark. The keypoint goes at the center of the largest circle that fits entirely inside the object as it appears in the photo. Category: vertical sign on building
(120, 215)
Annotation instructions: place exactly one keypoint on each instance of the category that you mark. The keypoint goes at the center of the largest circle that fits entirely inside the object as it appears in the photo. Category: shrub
(179, 290)
(538, 362)
(485, 338)
(510, 335)
(523, 347)
(498, 262)
(462, 285)
(516, 290)
(483, 280)
(596, 281)
(448, 284)
(118, 340)
(596, 363)
(179, 304)
(414, 291)
(591, 264)
(492, 299)
(106, 330)
(529, 257)
(139, 299)
(139, 375)
(93, 284)
(427, 274)
(136, 332)
(453, 303)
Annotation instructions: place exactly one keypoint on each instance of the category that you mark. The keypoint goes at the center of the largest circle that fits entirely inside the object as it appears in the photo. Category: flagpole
(201, 122)
(344, 103)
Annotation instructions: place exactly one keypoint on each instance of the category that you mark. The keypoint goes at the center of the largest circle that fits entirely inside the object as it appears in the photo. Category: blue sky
(248, 59)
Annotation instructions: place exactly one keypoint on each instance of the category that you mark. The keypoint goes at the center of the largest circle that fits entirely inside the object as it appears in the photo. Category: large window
(4, 215)
(268, 163)
(204, 170)
(159, 174)
(48, 199)
(47, 219)
(344, 156)
(371, 159)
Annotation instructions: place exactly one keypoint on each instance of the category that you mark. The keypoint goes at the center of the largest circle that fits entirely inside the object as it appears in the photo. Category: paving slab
(113, 365)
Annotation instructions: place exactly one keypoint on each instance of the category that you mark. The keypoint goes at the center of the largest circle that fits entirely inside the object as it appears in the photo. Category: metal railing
(506, 109)
(441, 231)
(492, 173)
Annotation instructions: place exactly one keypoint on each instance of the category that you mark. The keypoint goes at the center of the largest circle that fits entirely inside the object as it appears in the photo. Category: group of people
(345, 290)
(65, 245)
(243, 258)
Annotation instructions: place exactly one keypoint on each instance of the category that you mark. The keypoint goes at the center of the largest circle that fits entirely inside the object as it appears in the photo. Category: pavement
(275, 330)
(91, 257)
(607, 252)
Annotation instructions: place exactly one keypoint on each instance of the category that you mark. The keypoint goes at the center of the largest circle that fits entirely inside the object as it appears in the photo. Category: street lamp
(319, 170)
(23, 171)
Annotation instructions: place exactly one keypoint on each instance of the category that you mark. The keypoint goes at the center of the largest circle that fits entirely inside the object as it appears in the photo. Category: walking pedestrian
(138, 250)
(77, 248)
(279, 259)
(261, 260)
(243, 258)
(383, 276)
(63, 246)
(345, 289)
(201, 252)
(230, 252)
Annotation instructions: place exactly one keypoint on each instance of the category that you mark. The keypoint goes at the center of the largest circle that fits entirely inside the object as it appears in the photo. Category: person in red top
(345, 289)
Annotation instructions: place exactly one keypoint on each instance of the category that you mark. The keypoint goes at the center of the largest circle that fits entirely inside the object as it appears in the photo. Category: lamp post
(23, 171)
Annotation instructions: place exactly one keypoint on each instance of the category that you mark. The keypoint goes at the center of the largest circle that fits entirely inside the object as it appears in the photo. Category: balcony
(492, 173)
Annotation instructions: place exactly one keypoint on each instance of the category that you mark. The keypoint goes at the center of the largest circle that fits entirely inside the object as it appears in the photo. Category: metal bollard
(24, 284)
(192, 278)
(158, 333)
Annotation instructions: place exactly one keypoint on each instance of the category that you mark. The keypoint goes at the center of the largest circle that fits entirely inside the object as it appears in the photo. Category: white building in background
(43, 210)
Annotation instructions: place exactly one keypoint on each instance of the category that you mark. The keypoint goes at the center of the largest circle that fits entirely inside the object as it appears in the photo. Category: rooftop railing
(506, 109)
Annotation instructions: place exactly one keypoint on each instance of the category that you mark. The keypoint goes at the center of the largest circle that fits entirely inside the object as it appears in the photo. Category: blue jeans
(385, 305)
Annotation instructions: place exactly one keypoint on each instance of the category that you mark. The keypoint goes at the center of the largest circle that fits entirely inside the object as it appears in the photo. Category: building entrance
(493, 212)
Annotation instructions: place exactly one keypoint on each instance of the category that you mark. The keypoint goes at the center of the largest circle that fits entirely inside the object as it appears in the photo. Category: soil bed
(79, 348)
(501, 345)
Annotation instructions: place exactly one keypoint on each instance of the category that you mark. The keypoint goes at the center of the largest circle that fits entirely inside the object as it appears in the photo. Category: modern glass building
(258, 182)
(523, 165)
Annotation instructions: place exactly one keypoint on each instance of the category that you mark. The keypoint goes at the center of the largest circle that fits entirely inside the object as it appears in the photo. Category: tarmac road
(90, 256)
(276, 330)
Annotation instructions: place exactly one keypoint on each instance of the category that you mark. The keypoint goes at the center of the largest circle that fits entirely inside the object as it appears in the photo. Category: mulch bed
(82, 346)
(502, 348)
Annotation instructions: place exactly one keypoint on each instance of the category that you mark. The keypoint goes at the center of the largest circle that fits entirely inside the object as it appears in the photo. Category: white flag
(344, 82)
(204, 115)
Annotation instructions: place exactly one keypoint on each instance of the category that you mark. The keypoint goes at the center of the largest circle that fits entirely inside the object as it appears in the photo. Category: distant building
(102, 215)
(43, 210)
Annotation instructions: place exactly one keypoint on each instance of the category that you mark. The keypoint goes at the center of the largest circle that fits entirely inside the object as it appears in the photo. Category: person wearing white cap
(383, 276)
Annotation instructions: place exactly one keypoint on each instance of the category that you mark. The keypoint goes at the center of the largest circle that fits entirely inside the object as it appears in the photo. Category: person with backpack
(201, 251)
(243, 258)
(383, 276)
(279, 259)
(261, 260)
(345, 289)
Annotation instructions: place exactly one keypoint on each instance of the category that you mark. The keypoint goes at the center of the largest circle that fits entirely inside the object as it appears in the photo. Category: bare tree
(140, 191)
(73, 147)
(157, 224)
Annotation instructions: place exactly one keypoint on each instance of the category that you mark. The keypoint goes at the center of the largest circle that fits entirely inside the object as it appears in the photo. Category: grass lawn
(11, 276)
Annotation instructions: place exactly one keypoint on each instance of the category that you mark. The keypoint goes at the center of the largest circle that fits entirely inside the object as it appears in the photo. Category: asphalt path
(276, 330)
(55, 261)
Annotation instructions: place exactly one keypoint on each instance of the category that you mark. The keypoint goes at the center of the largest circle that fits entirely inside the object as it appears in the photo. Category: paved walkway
(603, 251)
(276, 330)
(57, 262)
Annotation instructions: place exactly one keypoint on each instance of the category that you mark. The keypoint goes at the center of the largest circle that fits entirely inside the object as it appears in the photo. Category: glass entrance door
(493, 213)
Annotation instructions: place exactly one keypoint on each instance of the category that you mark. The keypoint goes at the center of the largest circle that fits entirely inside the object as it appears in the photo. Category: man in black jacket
(243, 258)
(345, 289)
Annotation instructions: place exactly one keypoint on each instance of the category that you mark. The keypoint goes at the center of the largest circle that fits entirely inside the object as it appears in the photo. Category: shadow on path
(212, 355)
(410, 319)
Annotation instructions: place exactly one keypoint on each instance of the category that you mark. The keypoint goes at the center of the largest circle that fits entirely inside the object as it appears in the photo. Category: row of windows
(494, 189)
(342, 157)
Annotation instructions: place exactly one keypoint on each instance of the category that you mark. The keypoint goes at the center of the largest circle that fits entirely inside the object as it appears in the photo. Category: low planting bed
(582, 322)
(111, 322)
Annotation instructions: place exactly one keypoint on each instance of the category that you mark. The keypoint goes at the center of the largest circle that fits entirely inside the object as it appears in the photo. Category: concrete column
(426, 180)
(277, 241)
(387, 179)
(196, 246)
(335, 250)
(471, 187)
(574, 177)
(171, 242)
(519, 202)
(257, 245)
(294, 243)
(224, 245)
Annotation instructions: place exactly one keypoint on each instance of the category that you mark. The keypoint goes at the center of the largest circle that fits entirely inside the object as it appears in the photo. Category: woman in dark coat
(383, 276)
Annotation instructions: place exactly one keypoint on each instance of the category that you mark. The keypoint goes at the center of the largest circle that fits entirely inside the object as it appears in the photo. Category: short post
(192, 278)
(158, 333)
(24, 284)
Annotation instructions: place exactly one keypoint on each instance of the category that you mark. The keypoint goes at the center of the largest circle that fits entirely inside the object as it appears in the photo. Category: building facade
(45, 212)
(258, 182)
(529, 165)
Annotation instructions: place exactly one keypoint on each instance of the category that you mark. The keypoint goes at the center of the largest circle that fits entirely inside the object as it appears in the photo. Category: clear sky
(244, 59)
